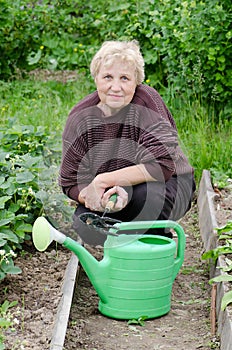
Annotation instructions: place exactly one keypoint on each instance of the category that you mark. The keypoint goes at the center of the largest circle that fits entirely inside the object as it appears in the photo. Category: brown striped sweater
(142, 132)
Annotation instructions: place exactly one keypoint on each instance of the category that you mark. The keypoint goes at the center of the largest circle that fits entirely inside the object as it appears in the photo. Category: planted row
(27, 188)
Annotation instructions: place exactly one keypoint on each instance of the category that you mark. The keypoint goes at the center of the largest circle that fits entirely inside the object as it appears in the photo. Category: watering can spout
(43, 233)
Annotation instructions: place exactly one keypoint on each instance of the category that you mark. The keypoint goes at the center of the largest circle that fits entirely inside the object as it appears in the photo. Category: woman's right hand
(122, 198)
(91, 197)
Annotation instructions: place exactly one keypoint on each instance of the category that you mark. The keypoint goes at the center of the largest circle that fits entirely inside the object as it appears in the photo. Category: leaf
(13, 303)
(3, 200)
(52, 63)
(33, 57)
(139, 321)
(6, 217)
(2, 242)
(2, 275)
(9, 268)
(29, 161)
(20, 234)
(24, 177)
(14, 207)
(50, 41)
(228, 261)
(2, 180)
(13, 270)
(132, 321)
(24, 227)
(6, 305)
(226, 300)
(225, 228)
(214, 253)
(227, 268)
(9, 236)
(210, 254)
(4, 324)
(221, 278)
(225, 237)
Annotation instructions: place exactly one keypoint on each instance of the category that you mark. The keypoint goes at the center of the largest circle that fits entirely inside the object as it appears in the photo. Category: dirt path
(186, 326)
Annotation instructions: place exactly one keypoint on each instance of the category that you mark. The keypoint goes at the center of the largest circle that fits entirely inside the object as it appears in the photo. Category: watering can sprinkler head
(43, 233)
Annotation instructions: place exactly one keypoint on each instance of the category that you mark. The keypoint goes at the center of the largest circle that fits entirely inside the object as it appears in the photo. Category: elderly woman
(122, 139)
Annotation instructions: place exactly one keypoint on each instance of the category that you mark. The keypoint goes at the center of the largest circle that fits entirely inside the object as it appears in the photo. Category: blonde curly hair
(125, 51)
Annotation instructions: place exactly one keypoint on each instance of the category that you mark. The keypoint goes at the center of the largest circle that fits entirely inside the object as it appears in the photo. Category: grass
(204, 137)
(36, 102)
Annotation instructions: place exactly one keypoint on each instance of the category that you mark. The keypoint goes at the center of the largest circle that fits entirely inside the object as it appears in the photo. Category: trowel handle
(110, 204)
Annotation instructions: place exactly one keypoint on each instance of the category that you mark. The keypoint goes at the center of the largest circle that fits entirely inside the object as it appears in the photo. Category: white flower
(16, 321)
(30, 191)
(12, 253)
(2, 252)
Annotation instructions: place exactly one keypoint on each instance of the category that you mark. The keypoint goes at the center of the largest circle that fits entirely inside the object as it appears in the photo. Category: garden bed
(44, 306)
(38, 291)
(215, 211)
(44, 295)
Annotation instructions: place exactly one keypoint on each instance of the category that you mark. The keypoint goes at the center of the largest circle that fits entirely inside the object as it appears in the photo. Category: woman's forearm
(128, 176)
(91, 196)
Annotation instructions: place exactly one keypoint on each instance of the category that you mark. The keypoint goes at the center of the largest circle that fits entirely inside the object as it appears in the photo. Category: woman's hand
(95, 198)
(91, 197)
(122, 198)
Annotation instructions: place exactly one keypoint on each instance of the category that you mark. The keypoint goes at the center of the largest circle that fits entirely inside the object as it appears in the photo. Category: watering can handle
(143, 225)
(180, 246)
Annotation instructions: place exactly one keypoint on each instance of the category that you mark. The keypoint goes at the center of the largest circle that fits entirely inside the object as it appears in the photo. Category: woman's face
(116, 85)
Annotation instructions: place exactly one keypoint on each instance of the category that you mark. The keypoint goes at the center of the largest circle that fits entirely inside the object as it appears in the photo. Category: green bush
(19, 159)
(186, 44)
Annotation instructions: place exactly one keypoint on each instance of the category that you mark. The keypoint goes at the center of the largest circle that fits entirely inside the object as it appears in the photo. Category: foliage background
(187, 45)
(187, 51)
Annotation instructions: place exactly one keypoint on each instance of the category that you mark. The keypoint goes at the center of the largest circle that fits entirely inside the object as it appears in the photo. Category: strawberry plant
(225, 234)
(26, 184)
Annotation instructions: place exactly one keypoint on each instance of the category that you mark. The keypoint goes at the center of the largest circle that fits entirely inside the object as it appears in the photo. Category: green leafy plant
(219, 178)
(139, 321)
(221, 249)
(6, 259)
(225, 233)
(24, 159)
(6, 320)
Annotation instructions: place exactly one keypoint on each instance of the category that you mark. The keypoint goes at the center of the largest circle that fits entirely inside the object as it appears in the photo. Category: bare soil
(38, 292)
(223, 206)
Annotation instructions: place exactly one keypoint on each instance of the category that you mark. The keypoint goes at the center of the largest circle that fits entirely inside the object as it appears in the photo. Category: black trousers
(147, 201)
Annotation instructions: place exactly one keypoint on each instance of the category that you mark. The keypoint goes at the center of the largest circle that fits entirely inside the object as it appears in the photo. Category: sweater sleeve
(74, 172)
(148, 97)
(68, 168)
(157, 150)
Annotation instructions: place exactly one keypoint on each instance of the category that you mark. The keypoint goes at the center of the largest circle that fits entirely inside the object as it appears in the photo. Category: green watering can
(136, 274)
